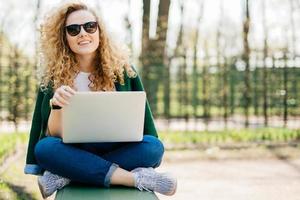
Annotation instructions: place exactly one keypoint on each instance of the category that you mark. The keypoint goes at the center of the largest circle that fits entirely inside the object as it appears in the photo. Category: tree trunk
(145, 42)
(232, 85)
(265, 72)
(205, 86)
(285, 89)
(1, 77)
(153, 51)
(256, 96)
(178, 54)
(129, 28)
(222, 66)
(162, 29)
(167, 91)
(27, 91)
(225, 92)
(246, 54)
(35, 23)
(185, 90)
(195, 73)
(180, 88)
(294, 42)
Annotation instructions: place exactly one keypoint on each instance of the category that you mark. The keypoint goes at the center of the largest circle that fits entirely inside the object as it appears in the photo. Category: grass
(8, 142)
(226, 137)
(7, 192)
(263, 135)
(12, 186)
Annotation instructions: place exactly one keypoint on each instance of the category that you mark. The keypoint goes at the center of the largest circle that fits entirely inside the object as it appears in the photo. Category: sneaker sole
(41, 190)
(174, 190)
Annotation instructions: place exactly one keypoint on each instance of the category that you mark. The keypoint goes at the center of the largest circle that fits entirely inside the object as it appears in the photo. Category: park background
(222, 80)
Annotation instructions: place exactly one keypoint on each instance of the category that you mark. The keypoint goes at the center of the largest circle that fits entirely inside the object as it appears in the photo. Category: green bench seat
(80, 192)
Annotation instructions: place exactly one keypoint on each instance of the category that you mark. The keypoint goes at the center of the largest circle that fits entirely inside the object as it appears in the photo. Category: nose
(82, 32)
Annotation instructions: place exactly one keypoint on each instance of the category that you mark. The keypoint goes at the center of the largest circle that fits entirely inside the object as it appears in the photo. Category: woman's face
(83, 43)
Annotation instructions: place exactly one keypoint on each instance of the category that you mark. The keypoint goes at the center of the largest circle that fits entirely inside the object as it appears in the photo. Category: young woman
(79, 56)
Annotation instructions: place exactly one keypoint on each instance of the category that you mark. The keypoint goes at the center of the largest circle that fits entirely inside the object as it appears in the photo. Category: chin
(85, 51)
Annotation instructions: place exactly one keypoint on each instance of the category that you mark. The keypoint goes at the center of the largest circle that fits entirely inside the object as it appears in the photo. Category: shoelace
(60, 181)
(143, 182)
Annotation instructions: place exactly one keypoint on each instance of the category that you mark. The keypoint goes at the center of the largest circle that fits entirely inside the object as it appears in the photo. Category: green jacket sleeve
(31, 167)
(149, 126)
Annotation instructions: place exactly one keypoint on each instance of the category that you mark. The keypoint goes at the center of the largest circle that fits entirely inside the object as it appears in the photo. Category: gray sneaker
(49, 183)
(150, 180)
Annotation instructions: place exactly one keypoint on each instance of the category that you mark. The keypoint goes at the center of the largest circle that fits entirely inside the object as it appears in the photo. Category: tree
(205, 86)
(195, 73)
(1, 76)
(256, 83)
(179, 54)
(3, 41)
(293, 47)
(222, 65)
(14, 98)
(153, 51)
(265, 72)
(285, 88)
(246, 55)
(35, 24)
(128, 27)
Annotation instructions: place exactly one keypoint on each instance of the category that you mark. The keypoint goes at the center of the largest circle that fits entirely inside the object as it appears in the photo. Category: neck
(86, 62)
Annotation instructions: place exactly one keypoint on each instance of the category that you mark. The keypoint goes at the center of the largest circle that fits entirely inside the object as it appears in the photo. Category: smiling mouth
(84, 43)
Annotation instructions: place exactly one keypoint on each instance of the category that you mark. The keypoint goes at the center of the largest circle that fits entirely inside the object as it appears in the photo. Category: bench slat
(75, 192)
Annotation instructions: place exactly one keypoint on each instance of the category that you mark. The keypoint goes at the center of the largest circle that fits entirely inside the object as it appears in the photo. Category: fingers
(69, 89)
(59, 100)
(62, 95)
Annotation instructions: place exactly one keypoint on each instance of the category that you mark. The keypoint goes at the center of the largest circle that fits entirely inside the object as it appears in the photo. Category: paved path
(236, 179)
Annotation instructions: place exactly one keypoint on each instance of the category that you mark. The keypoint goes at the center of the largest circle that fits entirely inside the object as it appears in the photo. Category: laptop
(104, 117)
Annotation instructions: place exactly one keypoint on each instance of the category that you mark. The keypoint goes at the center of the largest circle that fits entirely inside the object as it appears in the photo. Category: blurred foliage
(9, 142)
(17, 83)
(263, 135)
(190, 81)
(7, 193)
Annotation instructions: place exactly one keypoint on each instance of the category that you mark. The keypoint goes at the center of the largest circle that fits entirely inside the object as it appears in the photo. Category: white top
(82, 81)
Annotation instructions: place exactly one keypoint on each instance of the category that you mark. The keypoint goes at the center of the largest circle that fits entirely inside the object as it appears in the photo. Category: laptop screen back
(104, 117)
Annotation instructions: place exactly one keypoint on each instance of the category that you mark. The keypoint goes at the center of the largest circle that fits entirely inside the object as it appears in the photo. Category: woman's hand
(62, 95)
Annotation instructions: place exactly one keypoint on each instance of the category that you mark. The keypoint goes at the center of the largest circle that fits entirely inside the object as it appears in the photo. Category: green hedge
(232, 136)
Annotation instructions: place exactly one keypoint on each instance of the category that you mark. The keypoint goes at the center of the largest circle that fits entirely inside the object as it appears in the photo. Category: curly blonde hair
(59, 61)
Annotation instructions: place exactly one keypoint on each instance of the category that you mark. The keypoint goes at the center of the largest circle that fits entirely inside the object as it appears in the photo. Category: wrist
(53, 106)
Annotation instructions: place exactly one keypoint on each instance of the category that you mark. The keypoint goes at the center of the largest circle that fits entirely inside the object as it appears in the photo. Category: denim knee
(43, 147)
(154, 148)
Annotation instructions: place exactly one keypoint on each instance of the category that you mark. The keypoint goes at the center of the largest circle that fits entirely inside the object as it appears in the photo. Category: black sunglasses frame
(74, 29)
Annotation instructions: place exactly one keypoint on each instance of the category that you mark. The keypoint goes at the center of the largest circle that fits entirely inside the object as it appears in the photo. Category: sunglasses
(89, 27)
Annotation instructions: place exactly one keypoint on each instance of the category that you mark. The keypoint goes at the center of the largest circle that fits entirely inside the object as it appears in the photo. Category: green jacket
(42, 111)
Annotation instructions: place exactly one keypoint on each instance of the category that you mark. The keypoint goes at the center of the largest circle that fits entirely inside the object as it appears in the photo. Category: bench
(81, 192)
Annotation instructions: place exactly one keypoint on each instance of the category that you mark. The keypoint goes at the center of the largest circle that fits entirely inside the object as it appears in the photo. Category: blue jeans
(94, 163)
